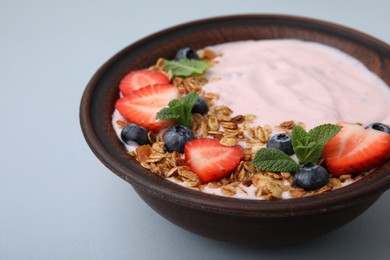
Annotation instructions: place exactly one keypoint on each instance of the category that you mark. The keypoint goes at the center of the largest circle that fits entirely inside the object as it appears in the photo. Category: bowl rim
(375, 185)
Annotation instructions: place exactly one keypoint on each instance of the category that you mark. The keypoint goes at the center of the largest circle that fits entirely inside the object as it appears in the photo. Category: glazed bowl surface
(258, 222)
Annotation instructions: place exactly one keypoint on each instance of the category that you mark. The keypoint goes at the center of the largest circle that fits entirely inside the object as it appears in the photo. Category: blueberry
(380, 127)
(135, 133)
(186, 53)
(200, 107)
(311, 177)
(176, 137)
(282, 142)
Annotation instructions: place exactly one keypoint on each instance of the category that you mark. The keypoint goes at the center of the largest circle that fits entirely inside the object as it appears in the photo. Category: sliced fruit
(355, 149)
(141, 106)
(211, 160)
(141, 78)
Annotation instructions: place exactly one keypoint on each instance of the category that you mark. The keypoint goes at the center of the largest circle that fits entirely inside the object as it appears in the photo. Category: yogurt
(282, 80)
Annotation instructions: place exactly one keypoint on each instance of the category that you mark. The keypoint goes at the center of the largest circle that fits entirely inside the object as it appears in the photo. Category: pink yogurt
(282, 80)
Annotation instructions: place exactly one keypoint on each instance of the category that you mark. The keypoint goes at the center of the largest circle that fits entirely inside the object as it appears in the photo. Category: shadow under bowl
(256, 222)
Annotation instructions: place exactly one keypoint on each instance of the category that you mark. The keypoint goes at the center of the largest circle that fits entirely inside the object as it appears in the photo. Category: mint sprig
(272, 159)
(186, 67)
(307, 146)
(179, 110)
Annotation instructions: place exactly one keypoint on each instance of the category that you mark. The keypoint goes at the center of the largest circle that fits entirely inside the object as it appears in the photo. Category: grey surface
(57, 201)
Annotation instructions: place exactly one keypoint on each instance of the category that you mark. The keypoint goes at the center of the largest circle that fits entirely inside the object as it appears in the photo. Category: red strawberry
(355, 149)
(141, 106)
(141, 78)
(211, 160)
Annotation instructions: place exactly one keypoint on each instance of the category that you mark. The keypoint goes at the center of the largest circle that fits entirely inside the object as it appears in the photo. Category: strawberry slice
(141, 78)
(355, 149)
(211, 160)
(141, 106)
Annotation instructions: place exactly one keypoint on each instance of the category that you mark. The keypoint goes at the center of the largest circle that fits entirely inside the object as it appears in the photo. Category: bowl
(257, 222)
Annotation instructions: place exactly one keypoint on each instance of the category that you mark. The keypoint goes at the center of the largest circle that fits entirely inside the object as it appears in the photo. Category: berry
(311, 177)
(134, 133)
(211, 160)
(176, 137)
(379, 127)
(200, 107)
(141, 78)
(355, 149)
(186, 53)
(282, 142)
(141, 106)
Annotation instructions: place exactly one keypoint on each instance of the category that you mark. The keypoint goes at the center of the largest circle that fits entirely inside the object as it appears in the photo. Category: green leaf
(174, 102)
(180, 110)
(190, 99)
(323, 133)
(308, 147)
(299, 137)
(299, 134)
(271, 159)
(186, 67)
(166, 113)
(309, 153)
(301, 149)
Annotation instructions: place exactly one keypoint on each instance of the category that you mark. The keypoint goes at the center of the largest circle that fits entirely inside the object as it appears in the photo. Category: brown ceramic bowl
(222, 218)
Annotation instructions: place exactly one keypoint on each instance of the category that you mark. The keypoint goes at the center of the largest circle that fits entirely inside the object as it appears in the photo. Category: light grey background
(57, 201)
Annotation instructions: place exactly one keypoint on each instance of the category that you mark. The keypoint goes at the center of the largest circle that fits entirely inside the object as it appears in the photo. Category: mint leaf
(186, 67)
(166, 113)
(274, 160)
(301, 143)
(323, 133)
(309, 153)
(179, 110)
(190, 99)
(299, 137)
(174, 102)
(308, 147)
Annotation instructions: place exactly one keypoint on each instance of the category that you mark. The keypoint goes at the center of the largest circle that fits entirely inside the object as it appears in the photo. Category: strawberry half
(211, 160)
(355, 149)
(141, 106)
(141, 78)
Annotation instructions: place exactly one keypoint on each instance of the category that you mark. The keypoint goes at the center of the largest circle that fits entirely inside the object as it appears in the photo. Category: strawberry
(141, 78)
(355, 149)
(141, 106)
(211, 160)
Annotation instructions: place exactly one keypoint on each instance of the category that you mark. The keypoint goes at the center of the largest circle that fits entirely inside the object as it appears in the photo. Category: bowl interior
(102, 91)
